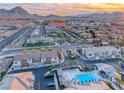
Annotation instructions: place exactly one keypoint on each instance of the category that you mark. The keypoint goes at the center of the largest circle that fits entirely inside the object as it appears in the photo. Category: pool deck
(90, 86)
(67, 79)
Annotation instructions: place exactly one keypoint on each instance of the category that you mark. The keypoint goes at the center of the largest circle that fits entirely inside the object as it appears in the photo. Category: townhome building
(37, 59)
(100, 53)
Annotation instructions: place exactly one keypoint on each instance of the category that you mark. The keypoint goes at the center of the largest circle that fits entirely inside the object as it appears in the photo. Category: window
(96, 54)
(89, 54)
(113, 52)
(43, 59)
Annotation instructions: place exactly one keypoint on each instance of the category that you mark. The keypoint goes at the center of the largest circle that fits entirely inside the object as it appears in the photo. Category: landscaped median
(31, 44)
(39, 41)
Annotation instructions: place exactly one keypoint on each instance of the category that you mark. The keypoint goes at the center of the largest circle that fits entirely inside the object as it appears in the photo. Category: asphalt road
(54, 47)
(8, 40)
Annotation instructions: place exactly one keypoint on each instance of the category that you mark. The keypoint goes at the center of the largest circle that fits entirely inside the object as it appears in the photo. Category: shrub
(49, 49)
(42, 49)
(65, 64)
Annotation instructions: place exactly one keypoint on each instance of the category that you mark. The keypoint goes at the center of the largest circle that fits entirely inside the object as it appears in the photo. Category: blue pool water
(87, 77)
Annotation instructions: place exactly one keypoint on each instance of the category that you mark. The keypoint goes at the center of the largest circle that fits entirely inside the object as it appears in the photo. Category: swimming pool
(87, 77)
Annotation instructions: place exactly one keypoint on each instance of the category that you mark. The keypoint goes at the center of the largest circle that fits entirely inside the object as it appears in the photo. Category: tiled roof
(100, 49)
(35, 54)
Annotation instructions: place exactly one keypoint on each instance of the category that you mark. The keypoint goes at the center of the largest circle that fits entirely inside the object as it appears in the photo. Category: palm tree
(52, 69)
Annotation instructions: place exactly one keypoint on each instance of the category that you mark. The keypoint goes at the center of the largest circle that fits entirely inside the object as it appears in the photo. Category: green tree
(93, 34)
(80, 51)
(2, 74)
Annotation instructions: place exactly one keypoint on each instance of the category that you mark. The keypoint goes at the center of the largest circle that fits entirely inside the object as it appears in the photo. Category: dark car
(49, 76)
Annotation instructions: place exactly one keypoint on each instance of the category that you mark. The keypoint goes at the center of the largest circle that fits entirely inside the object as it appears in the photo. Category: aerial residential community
(59, 49)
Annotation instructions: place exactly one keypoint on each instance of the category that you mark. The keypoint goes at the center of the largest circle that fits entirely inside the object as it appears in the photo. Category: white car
(51, 85)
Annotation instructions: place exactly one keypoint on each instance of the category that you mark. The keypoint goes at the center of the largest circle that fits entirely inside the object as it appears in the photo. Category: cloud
(66, 9)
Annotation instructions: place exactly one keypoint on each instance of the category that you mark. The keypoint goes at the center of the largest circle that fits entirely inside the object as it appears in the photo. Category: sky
(64, 9)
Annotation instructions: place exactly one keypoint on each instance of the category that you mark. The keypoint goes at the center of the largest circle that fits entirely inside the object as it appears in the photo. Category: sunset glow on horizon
(66, 9)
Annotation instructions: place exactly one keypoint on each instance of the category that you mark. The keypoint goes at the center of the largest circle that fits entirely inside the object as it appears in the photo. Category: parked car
(48, 75)
(51, 85)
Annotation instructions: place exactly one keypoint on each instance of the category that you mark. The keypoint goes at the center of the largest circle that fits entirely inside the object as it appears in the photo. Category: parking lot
(40, 81)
